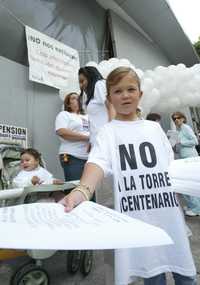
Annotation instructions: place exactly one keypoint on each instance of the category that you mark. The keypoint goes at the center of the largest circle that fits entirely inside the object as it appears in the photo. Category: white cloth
(96, 110)
(24, 177)
(138, 154)
(77, 123)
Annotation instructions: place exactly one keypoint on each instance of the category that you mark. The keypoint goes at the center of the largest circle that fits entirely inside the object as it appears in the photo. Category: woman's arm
(110, 110)
(68, 134)
(92, 174)
(188, 137)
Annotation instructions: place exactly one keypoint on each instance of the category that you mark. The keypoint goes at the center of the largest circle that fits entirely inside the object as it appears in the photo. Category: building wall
(130, 44)
(33, 106)
(78, 24)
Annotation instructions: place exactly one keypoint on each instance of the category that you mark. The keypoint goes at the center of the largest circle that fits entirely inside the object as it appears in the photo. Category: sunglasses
(177, 118)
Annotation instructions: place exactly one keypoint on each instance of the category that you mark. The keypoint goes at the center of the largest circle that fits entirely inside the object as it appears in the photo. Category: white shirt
(24, 177)
(77, 123)
(138, 154)
(96, 110)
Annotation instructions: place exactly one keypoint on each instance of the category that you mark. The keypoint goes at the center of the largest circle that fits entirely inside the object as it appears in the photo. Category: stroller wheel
(73, 261)
(86, 262)
(30, 274)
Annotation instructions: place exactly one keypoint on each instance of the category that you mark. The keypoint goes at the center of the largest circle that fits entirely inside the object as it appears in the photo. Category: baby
(32, 173)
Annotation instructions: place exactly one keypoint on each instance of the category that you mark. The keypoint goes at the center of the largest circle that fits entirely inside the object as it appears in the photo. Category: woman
(186, 148)
(72, 129)
(99, 110)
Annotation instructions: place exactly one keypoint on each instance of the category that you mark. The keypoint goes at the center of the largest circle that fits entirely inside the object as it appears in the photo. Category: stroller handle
(11, 193)
(7, 194)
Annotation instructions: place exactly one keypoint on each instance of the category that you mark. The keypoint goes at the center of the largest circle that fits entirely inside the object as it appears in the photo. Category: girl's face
(74, 103)
(83, 82)
(28, 162)
(125, 96)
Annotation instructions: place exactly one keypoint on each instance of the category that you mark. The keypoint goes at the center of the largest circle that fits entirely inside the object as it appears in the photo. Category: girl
(186, 148)
(137, 153)
(99, 110)
(32, 173)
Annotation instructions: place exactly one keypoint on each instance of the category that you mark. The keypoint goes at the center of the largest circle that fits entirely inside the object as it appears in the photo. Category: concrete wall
(130, 44)
(78, 24)
(31, 105)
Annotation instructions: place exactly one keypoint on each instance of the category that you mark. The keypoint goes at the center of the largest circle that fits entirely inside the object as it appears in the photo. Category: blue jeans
(179, 280)
(72, 167)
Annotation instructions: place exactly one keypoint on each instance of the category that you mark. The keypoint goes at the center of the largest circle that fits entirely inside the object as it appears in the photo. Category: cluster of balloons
(168, 89)
(165, 89)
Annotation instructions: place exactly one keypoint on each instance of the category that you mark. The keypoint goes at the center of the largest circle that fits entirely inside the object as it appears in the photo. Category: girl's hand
(35, 180)
(71, 200)
(110, 109)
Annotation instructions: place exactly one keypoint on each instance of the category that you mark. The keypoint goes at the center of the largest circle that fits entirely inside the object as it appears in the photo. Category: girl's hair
(33, 152)
(117, 74)
(179, 114)
(67, 102)
(92, 75)
(153, 117)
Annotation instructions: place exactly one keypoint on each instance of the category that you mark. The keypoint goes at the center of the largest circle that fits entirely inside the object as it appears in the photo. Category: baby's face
(28, 162)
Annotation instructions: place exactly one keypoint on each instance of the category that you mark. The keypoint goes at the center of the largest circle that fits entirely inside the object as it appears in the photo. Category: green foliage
(197, 46)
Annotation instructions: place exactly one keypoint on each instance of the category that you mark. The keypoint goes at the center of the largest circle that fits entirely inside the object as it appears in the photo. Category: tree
(197, 46)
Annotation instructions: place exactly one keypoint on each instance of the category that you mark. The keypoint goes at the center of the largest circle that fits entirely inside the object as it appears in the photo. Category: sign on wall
(13, 134)
(50, 62)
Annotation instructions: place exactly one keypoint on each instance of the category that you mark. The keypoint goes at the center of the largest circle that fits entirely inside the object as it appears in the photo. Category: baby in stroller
(33, 173)
(32, 170)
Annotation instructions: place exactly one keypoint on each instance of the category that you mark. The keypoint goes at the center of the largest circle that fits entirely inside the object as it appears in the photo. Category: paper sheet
(185, 176)
(88, 226)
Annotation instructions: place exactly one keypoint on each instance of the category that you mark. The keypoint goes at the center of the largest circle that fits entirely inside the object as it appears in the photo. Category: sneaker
(190, 213)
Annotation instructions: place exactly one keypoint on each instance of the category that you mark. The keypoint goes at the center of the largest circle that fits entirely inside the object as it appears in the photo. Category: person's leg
(156, 280)
(192, 203)
(64, 164)
(184, 280)
(72, 167)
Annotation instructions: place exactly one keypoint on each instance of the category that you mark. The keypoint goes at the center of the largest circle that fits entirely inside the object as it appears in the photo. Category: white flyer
(88, 226)
(185, 177)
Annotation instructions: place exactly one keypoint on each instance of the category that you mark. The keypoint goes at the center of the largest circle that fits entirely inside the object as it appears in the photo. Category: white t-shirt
(24, 177)
(96, 109)
(77, 123)
(138, 154)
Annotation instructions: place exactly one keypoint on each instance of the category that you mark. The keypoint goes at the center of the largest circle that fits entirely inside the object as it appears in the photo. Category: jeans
(73, 167)
(179, 280)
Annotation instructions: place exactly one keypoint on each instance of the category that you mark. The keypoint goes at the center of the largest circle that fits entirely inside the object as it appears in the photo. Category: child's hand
(35, 180)
(58, 182)
(71, 200)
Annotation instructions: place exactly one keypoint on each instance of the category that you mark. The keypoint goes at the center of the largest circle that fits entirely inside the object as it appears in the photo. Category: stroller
(32, 272)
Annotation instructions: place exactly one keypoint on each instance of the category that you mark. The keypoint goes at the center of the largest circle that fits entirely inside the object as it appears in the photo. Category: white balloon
(139, 72)
(113, 60)
(92, 63)
(124, 62)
